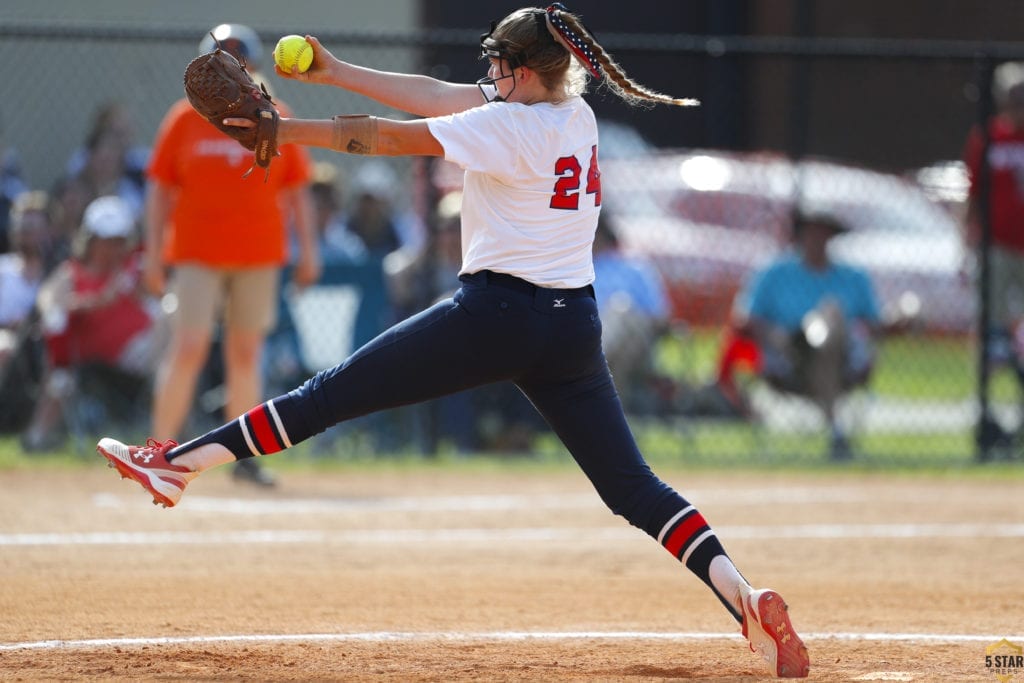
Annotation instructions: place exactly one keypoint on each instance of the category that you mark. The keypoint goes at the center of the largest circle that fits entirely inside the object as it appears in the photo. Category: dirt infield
(519, 576)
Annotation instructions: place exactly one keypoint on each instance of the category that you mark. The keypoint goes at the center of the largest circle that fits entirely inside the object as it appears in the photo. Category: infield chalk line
(484, 636)
(270, 506)
(503, 535)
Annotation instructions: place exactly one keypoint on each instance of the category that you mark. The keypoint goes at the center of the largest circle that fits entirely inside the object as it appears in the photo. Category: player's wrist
(285, 128)
(338, 73)
(355, 134)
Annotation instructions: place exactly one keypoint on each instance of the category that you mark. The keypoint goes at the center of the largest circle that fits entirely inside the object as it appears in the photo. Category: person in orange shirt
(224, 238)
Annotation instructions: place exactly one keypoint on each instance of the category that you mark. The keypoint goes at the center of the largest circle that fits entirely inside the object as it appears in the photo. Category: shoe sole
(163, 492)
(790, 654)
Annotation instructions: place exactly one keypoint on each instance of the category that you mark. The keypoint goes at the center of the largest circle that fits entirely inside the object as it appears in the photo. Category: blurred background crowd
(793, 268)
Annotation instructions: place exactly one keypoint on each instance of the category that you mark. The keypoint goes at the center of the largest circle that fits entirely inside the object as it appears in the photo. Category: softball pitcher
(525, 311)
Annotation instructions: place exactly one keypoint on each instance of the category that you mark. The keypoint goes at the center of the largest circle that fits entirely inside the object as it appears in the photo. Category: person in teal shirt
(814, 320)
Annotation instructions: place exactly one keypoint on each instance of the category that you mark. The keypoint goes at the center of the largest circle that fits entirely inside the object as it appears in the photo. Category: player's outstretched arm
(367, 135)
(412, 93)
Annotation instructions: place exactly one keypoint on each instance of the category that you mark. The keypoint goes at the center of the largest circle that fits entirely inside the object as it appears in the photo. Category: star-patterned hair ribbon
(571, 39)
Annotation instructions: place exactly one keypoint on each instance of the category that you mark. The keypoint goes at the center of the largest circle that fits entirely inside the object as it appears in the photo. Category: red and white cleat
(148, 465)
(766, 625)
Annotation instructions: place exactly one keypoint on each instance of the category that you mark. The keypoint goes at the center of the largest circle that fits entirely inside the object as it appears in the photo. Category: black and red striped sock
(261, 431)
(689, 538)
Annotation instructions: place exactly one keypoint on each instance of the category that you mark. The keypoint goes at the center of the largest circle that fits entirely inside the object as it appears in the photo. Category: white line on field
(501, 535)
(468, 503)
(493, 636)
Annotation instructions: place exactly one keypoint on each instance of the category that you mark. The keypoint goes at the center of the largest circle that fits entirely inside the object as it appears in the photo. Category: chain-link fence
(867, 132)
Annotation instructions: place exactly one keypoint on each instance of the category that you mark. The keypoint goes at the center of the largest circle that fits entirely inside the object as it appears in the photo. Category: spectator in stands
(814, 322)
(374, 217)
(95, 320)
(1006, 215)
(21, 275)
(11, 186)
(337, 243)
(419, 276)
(22, 270)
(635, 314)
(68, 199)
(225, 238)
(113, 120)
(108, 163)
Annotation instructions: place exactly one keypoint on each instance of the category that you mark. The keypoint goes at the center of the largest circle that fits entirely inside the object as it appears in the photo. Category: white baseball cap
(109, 217)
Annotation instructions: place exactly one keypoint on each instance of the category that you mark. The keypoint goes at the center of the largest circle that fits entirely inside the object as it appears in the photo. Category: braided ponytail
(564, 55)
(615, 77)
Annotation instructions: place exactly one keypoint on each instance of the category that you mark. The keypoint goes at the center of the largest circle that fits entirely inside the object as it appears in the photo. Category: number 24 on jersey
(566, 194)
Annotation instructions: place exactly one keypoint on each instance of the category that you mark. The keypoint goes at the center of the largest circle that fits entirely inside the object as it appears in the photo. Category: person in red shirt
(224, 237)
(94, 314)
(1006, 216)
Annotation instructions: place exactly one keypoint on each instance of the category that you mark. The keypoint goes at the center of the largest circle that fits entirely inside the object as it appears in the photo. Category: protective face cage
(493, 48)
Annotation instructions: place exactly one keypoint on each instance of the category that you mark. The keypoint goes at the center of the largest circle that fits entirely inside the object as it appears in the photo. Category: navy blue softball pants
(495, 328)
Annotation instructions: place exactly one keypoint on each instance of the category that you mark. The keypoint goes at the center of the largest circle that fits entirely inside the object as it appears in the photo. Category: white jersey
(532, 188)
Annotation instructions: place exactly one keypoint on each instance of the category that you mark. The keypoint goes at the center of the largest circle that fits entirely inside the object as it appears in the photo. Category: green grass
(936, 369)
(550, 457)
(912, 366)
(12, 456)
(908, 368)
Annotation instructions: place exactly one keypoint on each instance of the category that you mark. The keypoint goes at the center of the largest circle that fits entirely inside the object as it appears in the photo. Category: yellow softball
(293, 50)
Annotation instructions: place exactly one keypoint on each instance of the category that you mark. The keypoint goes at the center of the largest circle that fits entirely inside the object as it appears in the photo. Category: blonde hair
(28, 201)
(558, 65)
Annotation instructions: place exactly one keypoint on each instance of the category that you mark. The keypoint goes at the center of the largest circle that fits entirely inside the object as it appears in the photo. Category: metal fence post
(987, 429)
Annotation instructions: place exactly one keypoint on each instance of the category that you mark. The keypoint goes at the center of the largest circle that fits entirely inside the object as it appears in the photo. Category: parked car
(708, 219)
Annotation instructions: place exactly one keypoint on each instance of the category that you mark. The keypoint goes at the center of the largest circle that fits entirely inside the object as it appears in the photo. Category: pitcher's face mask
(489, 84)
(494, 49)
